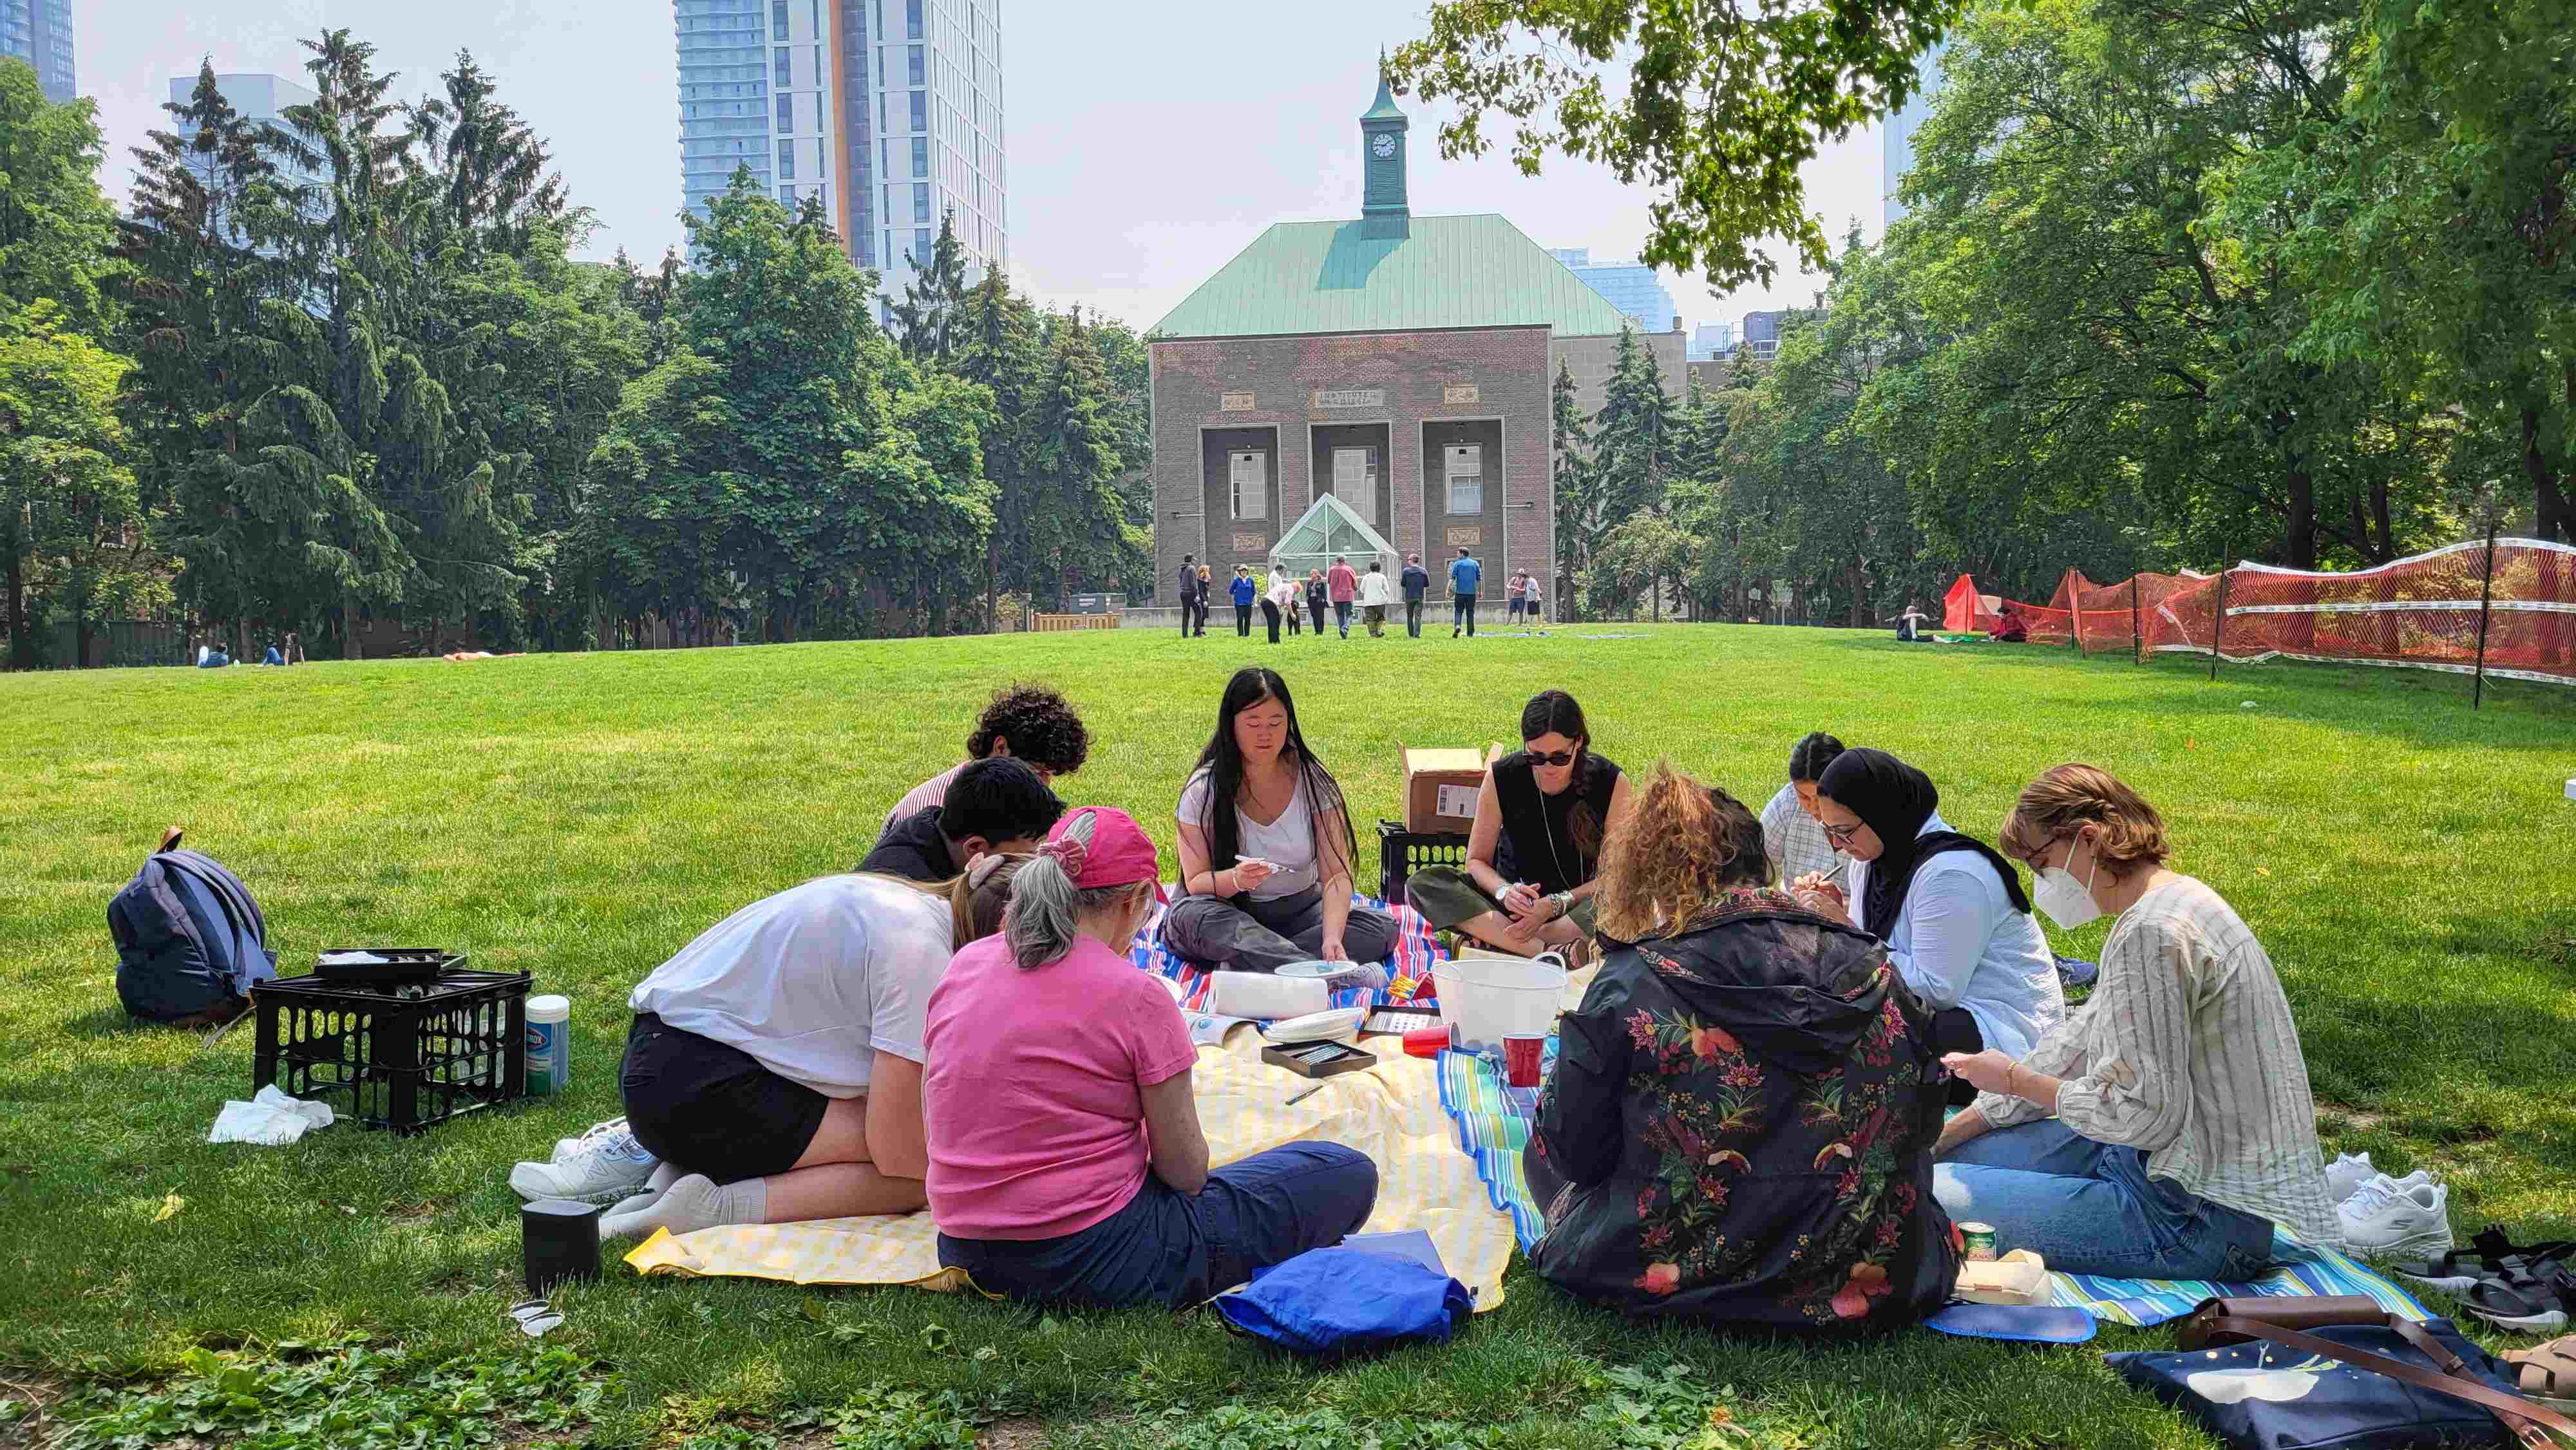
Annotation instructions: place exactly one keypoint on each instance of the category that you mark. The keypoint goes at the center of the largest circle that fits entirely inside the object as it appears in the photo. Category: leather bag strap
(2520, 1416)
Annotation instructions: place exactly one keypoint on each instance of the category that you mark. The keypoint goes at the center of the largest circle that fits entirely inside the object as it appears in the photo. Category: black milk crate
(399, 1057)
(1400, 853)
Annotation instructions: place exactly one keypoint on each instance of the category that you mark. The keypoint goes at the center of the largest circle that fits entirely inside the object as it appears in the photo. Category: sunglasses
(1557, 759)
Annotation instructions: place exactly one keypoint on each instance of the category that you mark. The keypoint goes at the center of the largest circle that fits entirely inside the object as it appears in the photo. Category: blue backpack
(189, 940)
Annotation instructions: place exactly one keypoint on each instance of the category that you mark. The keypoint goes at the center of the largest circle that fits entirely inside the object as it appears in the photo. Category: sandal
(2532, 1300)
(2548, 1372)
(2489, 1254)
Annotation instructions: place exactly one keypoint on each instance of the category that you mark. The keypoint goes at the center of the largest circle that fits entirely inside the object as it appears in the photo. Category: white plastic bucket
(1484, 999)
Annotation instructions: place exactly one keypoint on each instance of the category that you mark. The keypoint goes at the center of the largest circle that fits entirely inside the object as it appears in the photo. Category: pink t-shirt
(1033, 1092)
(1342, 582)
(929, 793)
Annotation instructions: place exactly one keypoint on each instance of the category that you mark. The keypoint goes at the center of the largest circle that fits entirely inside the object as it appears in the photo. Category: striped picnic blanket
(1415, 950)
(1494, 1119)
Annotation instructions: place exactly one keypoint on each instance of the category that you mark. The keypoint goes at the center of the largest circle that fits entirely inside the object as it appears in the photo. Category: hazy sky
(1145, 148)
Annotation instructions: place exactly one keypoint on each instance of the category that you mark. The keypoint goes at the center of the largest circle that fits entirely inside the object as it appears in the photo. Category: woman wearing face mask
(1535, 849)
(1066, 1157)
(1950, 909)
(2166, 1129)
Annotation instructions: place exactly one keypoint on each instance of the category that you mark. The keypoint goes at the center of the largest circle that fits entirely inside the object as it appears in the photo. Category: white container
(1341, 1024)
(1263, 996)
(549, 1044)
(1485, 999)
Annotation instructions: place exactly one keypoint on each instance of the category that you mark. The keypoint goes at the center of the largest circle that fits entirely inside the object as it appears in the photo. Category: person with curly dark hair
(1032, 724)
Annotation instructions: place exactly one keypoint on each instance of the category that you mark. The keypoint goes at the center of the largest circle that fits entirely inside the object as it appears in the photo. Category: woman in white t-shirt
(1266, 846)
(775, 1062)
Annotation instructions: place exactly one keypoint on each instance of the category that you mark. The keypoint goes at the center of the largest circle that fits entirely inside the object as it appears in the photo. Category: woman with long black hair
(1266, 846)
(1541, 814)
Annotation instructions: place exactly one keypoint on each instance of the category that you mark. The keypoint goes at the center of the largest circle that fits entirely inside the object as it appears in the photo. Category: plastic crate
(404, 1058)
(1400, 853)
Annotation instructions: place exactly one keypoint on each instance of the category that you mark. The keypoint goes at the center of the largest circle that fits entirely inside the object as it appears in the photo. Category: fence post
(2218, 624)
(2486, 605)
(2137, 636)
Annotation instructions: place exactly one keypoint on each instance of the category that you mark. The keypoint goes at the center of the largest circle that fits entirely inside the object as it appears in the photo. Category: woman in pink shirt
(1066, 1159)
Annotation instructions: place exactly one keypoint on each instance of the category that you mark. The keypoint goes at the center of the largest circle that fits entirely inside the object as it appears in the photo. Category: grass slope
(2404, 859)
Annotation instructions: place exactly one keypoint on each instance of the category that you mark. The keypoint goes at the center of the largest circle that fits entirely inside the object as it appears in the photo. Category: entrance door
(1355, 480)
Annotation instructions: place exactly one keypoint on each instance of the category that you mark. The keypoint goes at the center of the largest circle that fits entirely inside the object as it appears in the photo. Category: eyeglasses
(1841, 835)
(1556, 759)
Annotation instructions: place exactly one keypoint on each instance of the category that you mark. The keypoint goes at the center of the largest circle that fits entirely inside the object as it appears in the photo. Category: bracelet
(1563, 901)
(2009, 1069)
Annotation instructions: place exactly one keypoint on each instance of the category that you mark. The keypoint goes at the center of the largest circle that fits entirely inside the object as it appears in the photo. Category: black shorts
(712, 1109)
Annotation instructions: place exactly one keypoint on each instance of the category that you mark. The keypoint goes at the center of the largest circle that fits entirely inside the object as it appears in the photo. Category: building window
(780, 70)
(921, 244)
(778, 19)
(921, 201)
(1250, 474)
(920, 110)
(1465, 466)
(787, 197)
(880, 67)
(786, 114)
(912, 19)
(920, 156)
(787, 159)
(915, 66)
(1355, 480)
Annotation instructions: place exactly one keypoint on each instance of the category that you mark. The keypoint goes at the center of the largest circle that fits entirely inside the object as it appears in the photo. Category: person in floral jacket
(1740, 1121)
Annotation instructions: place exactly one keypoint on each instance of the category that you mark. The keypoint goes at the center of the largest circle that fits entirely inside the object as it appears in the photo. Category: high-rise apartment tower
(39, 32)
(887, 111)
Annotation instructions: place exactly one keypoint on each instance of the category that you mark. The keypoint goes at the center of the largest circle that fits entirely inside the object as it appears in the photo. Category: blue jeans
(2090, 1208)
(1168, 1248)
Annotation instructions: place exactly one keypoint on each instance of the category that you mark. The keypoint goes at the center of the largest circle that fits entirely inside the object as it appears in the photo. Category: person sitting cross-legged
(1266, 847)
(1790, 831)
(774, 1065)
(1535, 846)
(1066, 1157)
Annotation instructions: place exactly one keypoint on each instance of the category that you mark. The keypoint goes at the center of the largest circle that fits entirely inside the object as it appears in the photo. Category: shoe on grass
(2346, 1174)
(604, 1163)
(2393, 1218)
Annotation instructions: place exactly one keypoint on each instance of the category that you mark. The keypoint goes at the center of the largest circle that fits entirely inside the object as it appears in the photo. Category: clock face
(1384, 146)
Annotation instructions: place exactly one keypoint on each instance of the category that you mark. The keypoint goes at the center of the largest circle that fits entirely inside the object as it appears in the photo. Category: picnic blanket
(1415, 950)
(1390, 1112)
(1493, 1125)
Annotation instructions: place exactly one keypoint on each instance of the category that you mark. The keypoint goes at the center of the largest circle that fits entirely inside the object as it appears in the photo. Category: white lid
(1325, 1026)
(550, 1006)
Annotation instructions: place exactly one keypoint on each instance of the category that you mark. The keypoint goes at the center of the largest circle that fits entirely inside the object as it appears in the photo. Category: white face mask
(2067, 901)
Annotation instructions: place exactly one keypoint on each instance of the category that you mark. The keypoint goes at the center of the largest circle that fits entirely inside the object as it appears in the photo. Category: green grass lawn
(2405, 860)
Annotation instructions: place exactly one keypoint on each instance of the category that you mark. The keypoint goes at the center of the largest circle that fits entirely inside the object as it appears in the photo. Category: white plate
(1314, 970)
(1338, 1024)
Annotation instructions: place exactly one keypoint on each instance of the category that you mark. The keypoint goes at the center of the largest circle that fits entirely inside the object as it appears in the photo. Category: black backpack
(189, 940)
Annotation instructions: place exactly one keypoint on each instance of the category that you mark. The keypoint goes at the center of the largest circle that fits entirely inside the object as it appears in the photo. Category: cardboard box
(1440, 788)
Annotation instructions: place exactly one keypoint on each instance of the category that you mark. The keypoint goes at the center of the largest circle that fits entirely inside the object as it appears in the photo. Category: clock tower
(1385, 214)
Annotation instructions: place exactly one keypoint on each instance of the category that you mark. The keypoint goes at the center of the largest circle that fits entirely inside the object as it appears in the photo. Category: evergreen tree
(933, 298)
(1000, 347)
(1578, 523)
(1075, 464)
(1631, 434)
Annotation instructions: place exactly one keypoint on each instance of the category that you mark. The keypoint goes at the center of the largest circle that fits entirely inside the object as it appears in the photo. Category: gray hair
(1047, 908)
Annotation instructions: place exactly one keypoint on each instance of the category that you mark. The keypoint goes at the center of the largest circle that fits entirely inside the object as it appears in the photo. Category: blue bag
(1332, 1301)
(2261, 1396)
(189, 940)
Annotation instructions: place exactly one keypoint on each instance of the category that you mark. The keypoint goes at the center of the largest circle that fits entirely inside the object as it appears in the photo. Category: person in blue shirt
(1243, 592)
(1417, 581)
(1464, 575)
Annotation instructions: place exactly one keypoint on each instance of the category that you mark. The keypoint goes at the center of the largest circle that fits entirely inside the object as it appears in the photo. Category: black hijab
(1894, 799)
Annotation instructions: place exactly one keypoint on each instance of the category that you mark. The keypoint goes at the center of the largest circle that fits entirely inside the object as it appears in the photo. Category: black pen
(1301, 1097)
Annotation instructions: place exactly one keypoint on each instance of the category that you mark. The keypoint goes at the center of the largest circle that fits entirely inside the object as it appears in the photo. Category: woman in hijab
(1949, 907)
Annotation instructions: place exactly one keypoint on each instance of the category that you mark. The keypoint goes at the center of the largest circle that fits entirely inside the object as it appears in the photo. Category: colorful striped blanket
(1493, 1122)
(1415, 951)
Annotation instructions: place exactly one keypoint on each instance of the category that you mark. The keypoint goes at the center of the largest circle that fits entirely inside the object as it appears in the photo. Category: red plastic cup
(1523, 1056)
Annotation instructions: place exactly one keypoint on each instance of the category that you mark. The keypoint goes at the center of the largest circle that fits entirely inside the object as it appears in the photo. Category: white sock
(693, 1203)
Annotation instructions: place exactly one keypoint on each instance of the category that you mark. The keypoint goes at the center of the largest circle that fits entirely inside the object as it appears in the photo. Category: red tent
(1964, 610)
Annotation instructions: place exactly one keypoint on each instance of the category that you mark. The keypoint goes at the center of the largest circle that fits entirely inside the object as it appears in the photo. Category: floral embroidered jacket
(1739, 1128)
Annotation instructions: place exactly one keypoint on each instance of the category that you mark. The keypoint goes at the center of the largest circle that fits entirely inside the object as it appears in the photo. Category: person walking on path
(1464, 575)
(1417, 582)
(1189, 593)
(1316, 598)
(1242, 590)
(1344, 586)
(1373, 598)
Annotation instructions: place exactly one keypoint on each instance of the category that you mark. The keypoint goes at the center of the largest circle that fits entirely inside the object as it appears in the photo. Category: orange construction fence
(2503, 607)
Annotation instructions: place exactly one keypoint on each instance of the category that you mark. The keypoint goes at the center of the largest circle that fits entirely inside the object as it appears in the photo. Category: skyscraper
(39, 32)
(1896, 136)
(888, 111)
(258, 97)
(1629, 286)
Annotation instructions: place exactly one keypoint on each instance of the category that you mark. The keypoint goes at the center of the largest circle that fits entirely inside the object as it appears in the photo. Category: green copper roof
(1384, 107)
(1454, 271)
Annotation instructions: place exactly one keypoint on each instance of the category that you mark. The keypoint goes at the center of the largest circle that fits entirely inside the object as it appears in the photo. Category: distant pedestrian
(1243, 589)
(1464, 575)
(294, 648)
(1270, 614)
(1316, 598)
(1189, 593)
(1345, 587)
(1530, 608)
(1373, 598)
(1512, 596)
(1286, 593)
(1417, 581)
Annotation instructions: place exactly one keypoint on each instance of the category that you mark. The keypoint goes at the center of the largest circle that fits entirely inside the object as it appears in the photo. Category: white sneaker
(2346, 1174)
(2393, 1218)
(603, 1163)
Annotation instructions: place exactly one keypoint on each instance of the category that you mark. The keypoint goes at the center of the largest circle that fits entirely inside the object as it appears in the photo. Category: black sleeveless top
(1538, 833)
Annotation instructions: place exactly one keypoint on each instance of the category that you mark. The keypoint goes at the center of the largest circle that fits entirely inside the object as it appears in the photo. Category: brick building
(1400, 363)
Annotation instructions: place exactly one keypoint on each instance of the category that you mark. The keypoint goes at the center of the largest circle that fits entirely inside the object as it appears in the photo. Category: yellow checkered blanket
(1391, 1112)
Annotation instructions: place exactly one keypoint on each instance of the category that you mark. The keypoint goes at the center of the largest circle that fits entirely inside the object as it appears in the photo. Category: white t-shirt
(1287, 843)
(811, 981)
(1285, 593)
(1372, 589)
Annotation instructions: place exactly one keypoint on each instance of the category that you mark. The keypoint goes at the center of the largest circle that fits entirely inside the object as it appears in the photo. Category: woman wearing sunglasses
(1541, 815)
(1949, 907)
